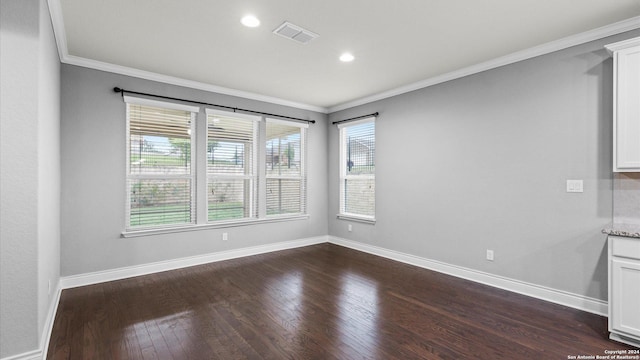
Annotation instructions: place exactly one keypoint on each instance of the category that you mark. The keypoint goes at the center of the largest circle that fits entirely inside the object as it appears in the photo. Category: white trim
(565, 298)
(621, 45)
(59, 32)
(579, 302)
(135, 100)
(624, 340)
(48, 327)
(287, 122)
(209, 226)
(55, 11)
(41, 352)
(30, 355)
(564, 43)
(342, 214)
(151, 268)
(355, 122)
(172, 80)
(210, 111)
(362, 219)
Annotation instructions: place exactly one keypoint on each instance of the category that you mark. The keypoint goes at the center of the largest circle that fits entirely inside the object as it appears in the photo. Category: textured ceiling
(395, 42)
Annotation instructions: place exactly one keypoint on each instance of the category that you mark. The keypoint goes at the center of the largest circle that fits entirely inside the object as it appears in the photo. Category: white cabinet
(624, 289)
(626, 105)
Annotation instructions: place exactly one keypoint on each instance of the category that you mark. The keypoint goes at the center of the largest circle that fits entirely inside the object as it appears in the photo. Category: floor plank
(318, 302)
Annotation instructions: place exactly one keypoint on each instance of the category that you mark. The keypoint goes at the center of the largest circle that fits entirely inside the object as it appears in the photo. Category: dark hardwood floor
(317, 302)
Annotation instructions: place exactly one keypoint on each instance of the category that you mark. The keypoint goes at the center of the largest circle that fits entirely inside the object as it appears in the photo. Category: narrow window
(232, 179)
(285, 164)
(160, 176)
(357, 169)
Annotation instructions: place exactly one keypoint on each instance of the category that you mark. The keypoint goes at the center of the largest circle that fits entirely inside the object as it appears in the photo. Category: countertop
(623, 229)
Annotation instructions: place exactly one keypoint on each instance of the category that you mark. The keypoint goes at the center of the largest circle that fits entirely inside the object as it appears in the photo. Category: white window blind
(231, 169)
(189, 168)
(159, 164)
(357, 168)
(286, 178)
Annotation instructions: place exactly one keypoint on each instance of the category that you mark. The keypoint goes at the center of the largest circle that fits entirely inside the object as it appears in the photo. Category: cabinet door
(625, 296)
(627, 109)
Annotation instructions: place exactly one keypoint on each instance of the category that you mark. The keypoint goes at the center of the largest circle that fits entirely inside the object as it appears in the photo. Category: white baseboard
(127, 272)
(41, 353)
(145, 269)
(565, 298)
(31, 355)
(584, 303)
(580, 302)
(48, 326)
(624, 340)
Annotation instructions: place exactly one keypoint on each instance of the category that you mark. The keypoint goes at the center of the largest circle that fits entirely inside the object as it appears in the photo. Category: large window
(192, 168)
(160, 178)
(358, 169)
(231, 171)
(285, 168)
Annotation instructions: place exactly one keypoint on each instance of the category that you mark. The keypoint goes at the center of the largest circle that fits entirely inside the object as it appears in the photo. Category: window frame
(129, 100)
(199, 176)
(303, 167)
(254, 177)
(344, 176)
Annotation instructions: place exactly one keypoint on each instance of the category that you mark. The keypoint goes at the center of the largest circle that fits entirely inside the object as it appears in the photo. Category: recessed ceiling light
(346, 57)
(250, 21)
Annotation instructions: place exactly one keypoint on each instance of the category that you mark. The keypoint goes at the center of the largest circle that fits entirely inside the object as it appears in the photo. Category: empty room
(419, 179)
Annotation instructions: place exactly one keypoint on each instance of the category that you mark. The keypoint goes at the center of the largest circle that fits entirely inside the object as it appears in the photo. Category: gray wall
(481, 163)
(93, 174)
(476, 163)
(30, 167)
(48, 167)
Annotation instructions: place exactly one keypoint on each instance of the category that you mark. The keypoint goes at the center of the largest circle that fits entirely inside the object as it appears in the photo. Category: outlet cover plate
(575, 186)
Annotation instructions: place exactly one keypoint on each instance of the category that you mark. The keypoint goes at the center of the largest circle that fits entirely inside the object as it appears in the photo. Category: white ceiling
(397, 44)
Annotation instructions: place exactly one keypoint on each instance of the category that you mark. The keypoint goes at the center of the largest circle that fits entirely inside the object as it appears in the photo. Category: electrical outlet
(490, 255)
(575, 186)
(49, 287)
(349, 227)
(225, 236)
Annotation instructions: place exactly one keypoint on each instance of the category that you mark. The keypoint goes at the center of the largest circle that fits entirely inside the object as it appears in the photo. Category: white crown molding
(61, 40)
(565, 298)
(166, 79)
(73, 281)
(55, 11)
(573, 40)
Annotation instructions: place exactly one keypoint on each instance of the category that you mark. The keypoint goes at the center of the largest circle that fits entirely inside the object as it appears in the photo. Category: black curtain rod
(122, 91)
(355, 118)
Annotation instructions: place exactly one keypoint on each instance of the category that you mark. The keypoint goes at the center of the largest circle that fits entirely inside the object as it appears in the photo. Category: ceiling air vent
(295, 33)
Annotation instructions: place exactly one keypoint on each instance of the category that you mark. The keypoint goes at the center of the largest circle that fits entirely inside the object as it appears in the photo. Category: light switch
(575, 186)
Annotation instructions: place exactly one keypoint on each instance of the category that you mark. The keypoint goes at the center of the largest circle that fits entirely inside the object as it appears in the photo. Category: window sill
(366, 220)
(218, 225)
